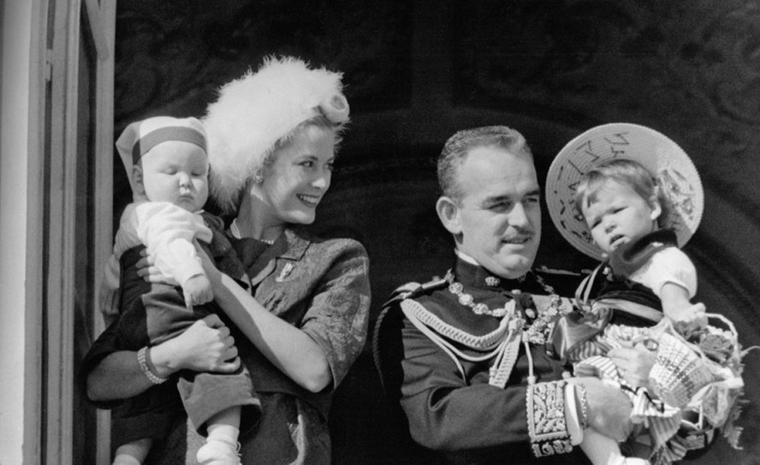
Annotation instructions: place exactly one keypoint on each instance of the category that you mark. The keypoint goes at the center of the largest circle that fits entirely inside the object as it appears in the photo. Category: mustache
(521, 232)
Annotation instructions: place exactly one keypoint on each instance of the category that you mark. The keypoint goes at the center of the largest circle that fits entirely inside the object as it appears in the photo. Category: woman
(272, 137)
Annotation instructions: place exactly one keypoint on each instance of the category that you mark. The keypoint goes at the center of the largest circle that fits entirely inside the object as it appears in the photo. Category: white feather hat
(257, 110)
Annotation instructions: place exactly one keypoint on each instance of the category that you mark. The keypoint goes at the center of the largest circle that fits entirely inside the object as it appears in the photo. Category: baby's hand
(197, 290)
(687, 320)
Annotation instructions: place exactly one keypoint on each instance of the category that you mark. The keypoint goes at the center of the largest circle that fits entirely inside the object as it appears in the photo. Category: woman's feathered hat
(261, 108)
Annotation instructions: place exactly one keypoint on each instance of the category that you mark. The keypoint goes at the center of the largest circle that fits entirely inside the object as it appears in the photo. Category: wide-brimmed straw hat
(672, 168)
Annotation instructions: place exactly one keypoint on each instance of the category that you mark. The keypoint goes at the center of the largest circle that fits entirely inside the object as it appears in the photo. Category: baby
(165, 159)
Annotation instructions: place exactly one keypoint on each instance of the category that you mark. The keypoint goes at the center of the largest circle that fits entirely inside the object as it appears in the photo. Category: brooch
(285, 272)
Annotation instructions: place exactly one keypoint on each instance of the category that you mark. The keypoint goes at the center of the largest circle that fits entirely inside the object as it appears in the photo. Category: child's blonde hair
(626, 172)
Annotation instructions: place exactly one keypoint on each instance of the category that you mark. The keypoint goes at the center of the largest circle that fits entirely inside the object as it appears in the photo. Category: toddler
(648, 276)
(640, 295)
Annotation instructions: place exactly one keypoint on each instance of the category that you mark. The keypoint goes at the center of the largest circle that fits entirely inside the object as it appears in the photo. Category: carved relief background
(416, 71)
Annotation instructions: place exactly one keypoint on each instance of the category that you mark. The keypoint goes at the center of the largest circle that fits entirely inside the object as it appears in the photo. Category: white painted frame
(38, 106)
(20, 254)
(68, 26)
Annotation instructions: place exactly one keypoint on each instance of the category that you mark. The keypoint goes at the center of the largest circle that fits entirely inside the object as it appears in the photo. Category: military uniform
(479, 388)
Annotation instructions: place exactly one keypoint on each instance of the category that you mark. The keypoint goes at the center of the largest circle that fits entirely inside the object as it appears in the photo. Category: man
(477, 382)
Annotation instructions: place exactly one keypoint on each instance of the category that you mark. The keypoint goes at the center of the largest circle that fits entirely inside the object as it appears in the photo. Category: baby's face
(618, 215)
(176, 172)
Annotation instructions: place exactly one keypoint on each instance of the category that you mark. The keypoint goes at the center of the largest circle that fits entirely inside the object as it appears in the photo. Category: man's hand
(205, 346)
(197, 290)
(633, 363)
(609, 409)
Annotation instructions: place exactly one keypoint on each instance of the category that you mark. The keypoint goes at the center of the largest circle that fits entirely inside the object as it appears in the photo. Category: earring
(258, 178)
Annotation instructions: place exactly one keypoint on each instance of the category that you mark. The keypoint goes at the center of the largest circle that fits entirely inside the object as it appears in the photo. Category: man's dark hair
(458, 146)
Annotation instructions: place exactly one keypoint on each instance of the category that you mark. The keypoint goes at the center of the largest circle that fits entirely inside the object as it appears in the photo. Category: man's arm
(445, 412)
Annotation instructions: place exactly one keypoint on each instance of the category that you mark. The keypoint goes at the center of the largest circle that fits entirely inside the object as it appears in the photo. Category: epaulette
(543, 269)
(559, 281)
(387, 348)
(414, 289)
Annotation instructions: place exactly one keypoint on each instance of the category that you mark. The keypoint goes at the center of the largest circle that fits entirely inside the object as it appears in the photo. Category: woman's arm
(288, 348)
(291, 350)
(205, 346)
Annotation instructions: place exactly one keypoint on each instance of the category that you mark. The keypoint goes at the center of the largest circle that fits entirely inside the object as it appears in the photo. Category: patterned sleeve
(338, 317)
(671, 265)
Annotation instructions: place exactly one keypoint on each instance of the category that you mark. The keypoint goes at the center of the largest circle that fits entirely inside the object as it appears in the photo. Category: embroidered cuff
(583, 399)
(545, 408)
(143, 359)
(572, 417)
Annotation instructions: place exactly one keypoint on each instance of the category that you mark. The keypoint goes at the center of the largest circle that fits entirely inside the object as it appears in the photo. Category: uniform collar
(467, 271)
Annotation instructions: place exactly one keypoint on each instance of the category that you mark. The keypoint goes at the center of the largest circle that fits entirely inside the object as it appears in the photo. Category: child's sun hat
(674, 171)
(259, 109)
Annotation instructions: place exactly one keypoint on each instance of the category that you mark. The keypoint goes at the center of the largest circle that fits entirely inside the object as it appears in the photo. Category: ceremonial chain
(542, 320)
(480, 308)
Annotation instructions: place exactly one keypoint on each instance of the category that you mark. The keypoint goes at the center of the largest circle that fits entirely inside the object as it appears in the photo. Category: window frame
(72, 25)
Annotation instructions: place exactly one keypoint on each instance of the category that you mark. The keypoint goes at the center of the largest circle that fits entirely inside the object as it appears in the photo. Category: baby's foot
(125, 460)
(632, 461)
(218, 453)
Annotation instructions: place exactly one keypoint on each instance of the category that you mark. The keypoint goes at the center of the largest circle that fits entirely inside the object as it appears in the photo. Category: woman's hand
(633, 363)
(205, 346)
(609, 409)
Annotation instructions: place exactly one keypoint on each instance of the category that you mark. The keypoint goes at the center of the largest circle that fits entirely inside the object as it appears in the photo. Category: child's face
(299, 176)
(175, 172)
(618, 215)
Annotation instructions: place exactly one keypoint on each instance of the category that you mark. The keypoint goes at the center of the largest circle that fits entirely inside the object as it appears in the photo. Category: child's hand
(687, 320)
(197, 290)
